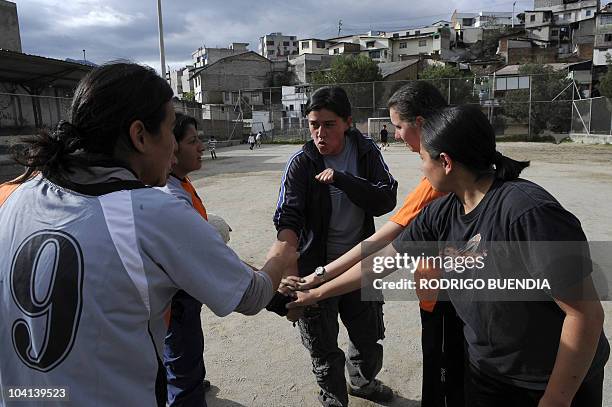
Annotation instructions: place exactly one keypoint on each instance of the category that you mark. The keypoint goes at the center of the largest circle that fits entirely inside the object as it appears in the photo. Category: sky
(127, 29)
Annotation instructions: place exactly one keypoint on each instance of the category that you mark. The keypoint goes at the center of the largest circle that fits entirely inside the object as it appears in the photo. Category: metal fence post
(529, 118)
(449, 91)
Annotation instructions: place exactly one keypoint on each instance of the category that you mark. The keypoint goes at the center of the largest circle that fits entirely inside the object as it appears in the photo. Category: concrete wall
(407, 74)
(26, 114)
(525, 55)
(304, 65)
(9, 27)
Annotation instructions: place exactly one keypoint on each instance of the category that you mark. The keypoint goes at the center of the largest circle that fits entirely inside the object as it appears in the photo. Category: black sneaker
(374, 391)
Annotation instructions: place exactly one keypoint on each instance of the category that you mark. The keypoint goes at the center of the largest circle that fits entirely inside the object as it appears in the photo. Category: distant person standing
(251, 142)
(258, 139)
(212, 145)
(384, 138)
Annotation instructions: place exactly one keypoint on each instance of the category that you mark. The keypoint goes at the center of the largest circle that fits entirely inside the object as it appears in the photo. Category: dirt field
(259, 361)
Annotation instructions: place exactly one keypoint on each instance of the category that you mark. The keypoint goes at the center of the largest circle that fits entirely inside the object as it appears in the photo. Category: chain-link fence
(592, 116)
(518, 106)
(521, 106)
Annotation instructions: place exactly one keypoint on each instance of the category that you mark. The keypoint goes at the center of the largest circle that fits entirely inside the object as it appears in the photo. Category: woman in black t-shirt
(542, 346)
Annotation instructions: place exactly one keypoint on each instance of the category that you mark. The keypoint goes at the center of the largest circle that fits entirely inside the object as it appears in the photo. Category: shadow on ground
(213, 401)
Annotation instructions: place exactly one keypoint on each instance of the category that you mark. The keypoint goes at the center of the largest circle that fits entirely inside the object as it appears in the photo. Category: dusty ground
(259, 361)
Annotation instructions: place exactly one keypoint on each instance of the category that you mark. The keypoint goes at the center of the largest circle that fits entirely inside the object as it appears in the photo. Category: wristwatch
(320, 273)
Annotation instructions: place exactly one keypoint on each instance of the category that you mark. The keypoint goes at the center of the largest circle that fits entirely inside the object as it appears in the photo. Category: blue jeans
(183, 353)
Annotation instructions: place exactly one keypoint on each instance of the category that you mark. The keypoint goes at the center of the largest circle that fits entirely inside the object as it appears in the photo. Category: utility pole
(339, 27)
(84, 59)
(513, 4)
(162, 52)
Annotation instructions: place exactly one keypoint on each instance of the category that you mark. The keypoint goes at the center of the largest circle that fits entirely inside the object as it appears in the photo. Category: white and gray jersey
(173, 187)
(85, 281)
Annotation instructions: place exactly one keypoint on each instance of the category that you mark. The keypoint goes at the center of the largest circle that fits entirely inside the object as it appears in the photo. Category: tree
(189, 96)
(605, 83)
(550, 92)
(461, 83)
(348, 69)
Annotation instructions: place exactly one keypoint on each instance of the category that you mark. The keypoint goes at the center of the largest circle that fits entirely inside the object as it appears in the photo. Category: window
(422, 43)
(370, 44)
(336, 50)
(270, 42)
(305, 44)
(286, 43)
(291, 107)
(395, 35)
(295, 43)
(588, 13)
(567, 16)
(292, 38)
(256, 97)
(605, 20)
(374, 54)
(320, 44)
(608, 37)
(407, 33)
(271, 52)
(294, 53)
(532, 18)
(554, 33)
(417, 32)
(403, 45)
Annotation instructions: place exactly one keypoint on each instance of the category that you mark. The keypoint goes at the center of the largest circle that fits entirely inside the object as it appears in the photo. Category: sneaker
(374, 391)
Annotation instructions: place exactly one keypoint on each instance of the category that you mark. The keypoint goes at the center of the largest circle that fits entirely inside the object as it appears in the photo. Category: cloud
(111, 29)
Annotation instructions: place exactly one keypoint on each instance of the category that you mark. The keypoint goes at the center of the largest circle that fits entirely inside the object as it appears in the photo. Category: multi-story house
(276, 46)
(206, 56)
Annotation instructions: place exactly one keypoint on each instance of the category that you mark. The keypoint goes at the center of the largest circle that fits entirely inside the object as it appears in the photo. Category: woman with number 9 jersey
(91, 255)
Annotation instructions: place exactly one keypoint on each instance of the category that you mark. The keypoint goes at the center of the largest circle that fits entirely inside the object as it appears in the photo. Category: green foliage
(605, 83)
(546, 114)
(348, 69)
(189, 96)
(461, 83)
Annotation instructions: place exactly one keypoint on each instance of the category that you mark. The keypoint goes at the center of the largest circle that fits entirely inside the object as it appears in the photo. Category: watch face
(319, 271)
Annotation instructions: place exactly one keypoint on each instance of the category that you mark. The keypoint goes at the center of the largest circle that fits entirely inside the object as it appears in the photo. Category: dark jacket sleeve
(377, 194)
(291, 203)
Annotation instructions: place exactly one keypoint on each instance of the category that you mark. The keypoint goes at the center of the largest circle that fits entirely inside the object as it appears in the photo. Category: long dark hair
(332, 98)
(417, 98)
(105, 104)
(181, 123)
(465, 134)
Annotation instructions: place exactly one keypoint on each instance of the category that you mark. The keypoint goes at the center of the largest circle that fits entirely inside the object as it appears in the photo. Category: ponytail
(506, 168)
(49, 153)
(106, 102)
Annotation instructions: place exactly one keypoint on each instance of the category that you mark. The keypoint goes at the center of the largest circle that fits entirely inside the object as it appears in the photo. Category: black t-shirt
(515, 341)
(383, 135)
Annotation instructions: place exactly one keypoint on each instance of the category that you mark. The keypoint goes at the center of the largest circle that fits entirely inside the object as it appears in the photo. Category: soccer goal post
(375, 125)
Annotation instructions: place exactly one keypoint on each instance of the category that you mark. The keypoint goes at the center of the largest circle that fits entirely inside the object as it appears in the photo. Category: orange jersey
(6, 190)
(195, 199)
(415, 201)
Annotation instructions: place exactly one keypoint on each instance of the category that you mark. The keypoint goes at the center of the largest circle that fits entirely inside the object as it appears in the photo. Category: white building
(313, 46)
(179, 81)
(603, 38)
(564, 24)
(294, 99)
(276, 46)
(482, 19)
(433, 40)
(206, 56)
